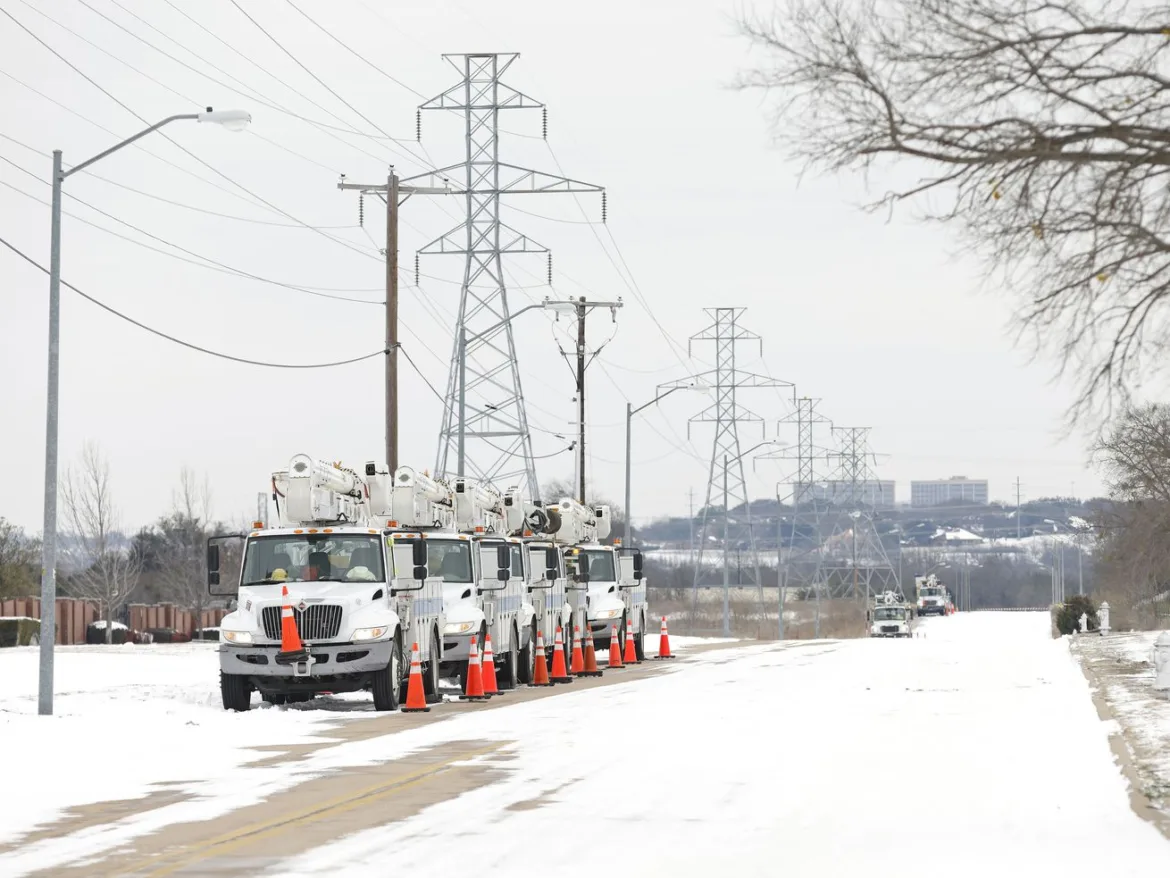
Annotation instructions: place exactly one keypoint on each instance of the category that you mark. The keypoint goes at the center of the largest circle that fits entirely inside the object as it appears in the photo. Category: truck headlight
(237, 636)
(608, 614)
(370, 633)
(458, 627)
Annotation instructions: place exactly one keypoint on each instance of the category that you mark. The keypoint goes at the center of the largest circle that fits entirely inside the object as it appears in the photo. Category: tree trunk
(109, 622)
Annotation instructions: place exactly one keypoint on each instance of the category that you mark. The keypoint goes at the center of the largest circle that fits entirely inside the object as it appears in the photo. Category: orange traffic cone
(615, 649)
(291, 648)
(560, 674)
(489, 668)
(540, 671)
(473, 686)
(577, 665)
(631, 656)
(590, 669)
(416, 701)
(664, 643)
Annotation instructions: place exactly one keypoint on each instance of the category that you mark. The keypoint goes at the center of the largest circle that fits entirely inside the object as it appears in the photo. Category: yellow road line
(341, 804)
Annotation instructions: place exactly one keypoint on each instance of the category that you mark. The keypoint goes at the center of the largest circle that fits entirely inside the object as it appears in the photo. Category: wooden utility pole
(394, 194)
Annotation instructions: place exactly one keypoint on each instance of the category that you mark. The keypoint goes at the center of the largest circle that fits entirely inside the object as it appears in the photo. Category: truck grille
(890, 629)
(317, 622)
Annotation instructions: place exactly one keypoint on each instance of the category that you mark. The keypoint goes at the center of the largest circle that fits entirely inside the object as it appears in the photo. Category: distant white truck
(932, 596)
(889, 616)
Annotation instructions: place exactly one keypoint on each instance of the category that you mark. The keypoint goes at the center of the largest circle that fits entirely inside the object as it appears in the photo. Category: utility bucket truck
(360, 593)
(463, 524)
(889, 616)
(547, 604)
(932, 595)
(610, 576)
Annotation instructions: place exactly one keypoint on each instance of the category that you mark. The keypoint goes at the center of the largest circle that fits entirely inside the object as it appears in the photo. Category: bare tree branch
(1046, 126)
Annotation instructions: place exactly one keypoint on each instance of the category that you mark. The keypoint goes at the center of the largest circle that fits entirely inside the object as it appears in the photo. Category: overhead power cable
(180, 341)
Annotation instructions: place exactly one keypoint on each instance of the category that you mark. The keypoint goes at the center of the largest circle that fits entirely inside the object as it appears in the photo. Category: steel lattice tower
(498, 445)
(853, 562)
(726, 477)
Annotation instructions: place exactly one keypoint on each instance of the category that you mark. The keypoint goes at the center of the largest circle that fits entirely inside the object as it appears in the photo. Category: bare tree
(1041, 128)
(106, 569)
(184, 533)
(1134, 456)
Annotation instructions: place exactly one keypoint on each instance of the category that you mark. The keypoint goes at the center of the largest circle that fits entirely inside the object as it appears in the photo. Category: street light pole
(233, 120)
(630, 412)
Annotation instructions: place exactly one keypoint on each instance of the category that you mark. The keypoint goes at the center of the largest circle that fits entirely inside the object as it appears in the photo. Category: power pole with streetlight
(233, 120)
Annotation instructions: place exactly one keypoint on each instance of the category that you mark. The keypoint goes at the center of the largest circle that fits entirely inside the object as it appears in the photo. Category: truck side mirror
(418, 551)
(552, 563)
(582, 568)
(637, 565)
(503, 562)
(212, 565)
(220, 562)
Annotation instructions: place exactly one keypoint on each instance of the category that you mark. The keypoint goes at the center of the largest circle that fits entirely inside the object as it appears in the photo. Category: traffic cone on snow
(416, 700)
(631, 656)
(489, 668)
(615, 649)
(560, 673)
(663, 643)
(291, 648)
(540, 669)
(590, 669)
(577, 665)
(473, 685)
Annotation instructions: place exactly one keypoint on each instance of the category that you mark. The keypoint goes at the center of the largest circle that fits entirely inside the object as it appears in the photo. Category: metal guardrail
(1009, 610)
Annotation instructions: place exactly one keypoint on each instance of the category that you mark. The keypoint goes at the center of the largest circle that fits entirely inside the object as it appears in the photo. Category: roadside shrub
(1068, 615)
(19, 631)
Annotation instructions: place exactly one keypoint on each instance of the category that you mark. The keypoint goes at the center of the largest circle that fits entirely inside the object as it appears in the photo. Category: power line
(180, 341)
(214, 265)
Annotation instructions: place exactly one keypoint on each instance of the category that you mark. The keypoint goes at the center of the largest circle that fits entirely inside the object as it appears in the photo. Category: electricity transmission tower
(853, 562)
(726, 481)
(494, 423)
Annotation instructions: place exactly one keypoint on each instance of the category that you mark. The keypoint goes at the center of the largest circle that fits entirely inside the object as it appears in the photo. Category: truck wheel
(273, 698)
(510, 669)
(527, 669)
(388, 679)
(639, 641)
(236, 691)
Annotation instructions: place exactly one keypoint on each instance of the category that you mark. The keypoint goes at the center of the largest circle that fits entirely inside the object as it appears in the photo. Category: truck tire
(432, 671)
(236, 692)
(640, 640)
(387, 680)
(528, 657)
(510, 669)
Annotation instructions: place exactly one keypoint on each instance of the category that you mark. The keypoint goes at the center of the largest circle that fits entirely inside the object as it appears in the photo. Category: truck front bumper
(334, 660)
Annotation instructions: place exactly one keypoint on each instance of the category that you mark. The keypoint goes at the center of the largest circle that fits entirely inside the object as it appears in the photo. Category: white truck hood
(315, 592)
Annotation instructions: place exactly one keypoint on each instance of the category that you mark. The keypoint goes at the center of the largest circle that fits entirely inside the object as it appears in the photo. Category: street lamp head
(552, 305)
(232, 120)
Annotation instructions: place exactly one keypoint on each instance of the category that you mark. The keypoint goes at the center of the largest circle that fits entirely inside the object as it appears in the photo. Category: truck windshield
(930, 592)
(334, 557)
(449, 560)
(600, 566)
(889, 614)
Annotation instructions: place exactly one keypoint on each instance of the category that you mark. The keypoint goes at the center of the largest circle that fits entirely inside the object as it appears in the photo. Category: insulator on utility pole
(544, 122)
(361, 209)
(603, 206)
(418, 125)
(550, 269)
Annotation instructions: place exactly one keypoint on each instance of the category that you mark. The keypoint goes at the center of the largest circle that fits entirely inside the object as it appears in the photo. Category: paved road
(972, 750)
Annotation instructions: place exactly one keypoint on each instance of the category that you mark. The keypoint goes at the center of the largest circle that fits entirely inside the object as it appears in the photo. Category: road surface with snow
(975, 749)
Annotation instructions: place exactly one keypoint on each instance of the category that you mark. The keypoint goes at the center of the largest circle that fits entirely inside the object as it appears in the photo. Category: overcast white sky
(876, 318)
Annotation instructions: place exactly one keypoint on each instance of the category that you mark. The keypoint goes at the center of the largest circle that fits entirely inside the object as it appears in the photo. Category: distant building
(879, 494)
(955, 489)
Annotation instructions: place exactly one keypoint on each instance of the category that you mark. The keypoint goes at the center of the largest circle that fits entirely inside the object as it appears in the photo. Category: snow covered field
(807, 758)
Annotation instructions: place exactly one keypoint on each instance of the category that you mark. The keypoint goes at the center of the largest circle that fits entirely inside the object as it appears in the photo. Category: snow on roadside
(1121, 663)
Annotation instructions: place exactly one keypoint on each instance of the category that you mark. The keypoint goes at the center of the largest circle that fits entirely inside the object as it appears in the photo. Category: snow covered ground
(808, 758)
(1121, 665)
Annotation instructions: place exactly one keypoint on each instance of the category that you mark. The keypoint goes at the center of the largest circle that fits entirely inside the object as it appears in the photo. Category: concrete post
(1162, 664)
(1103, 616)
(1084, 620)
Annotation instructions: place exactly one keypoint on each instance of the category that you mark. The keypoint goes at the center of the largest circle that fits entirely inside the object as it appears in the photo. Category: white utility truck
(611, 575)
(360, 593)
(889, 616)
(463, 524)
(932, 595)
